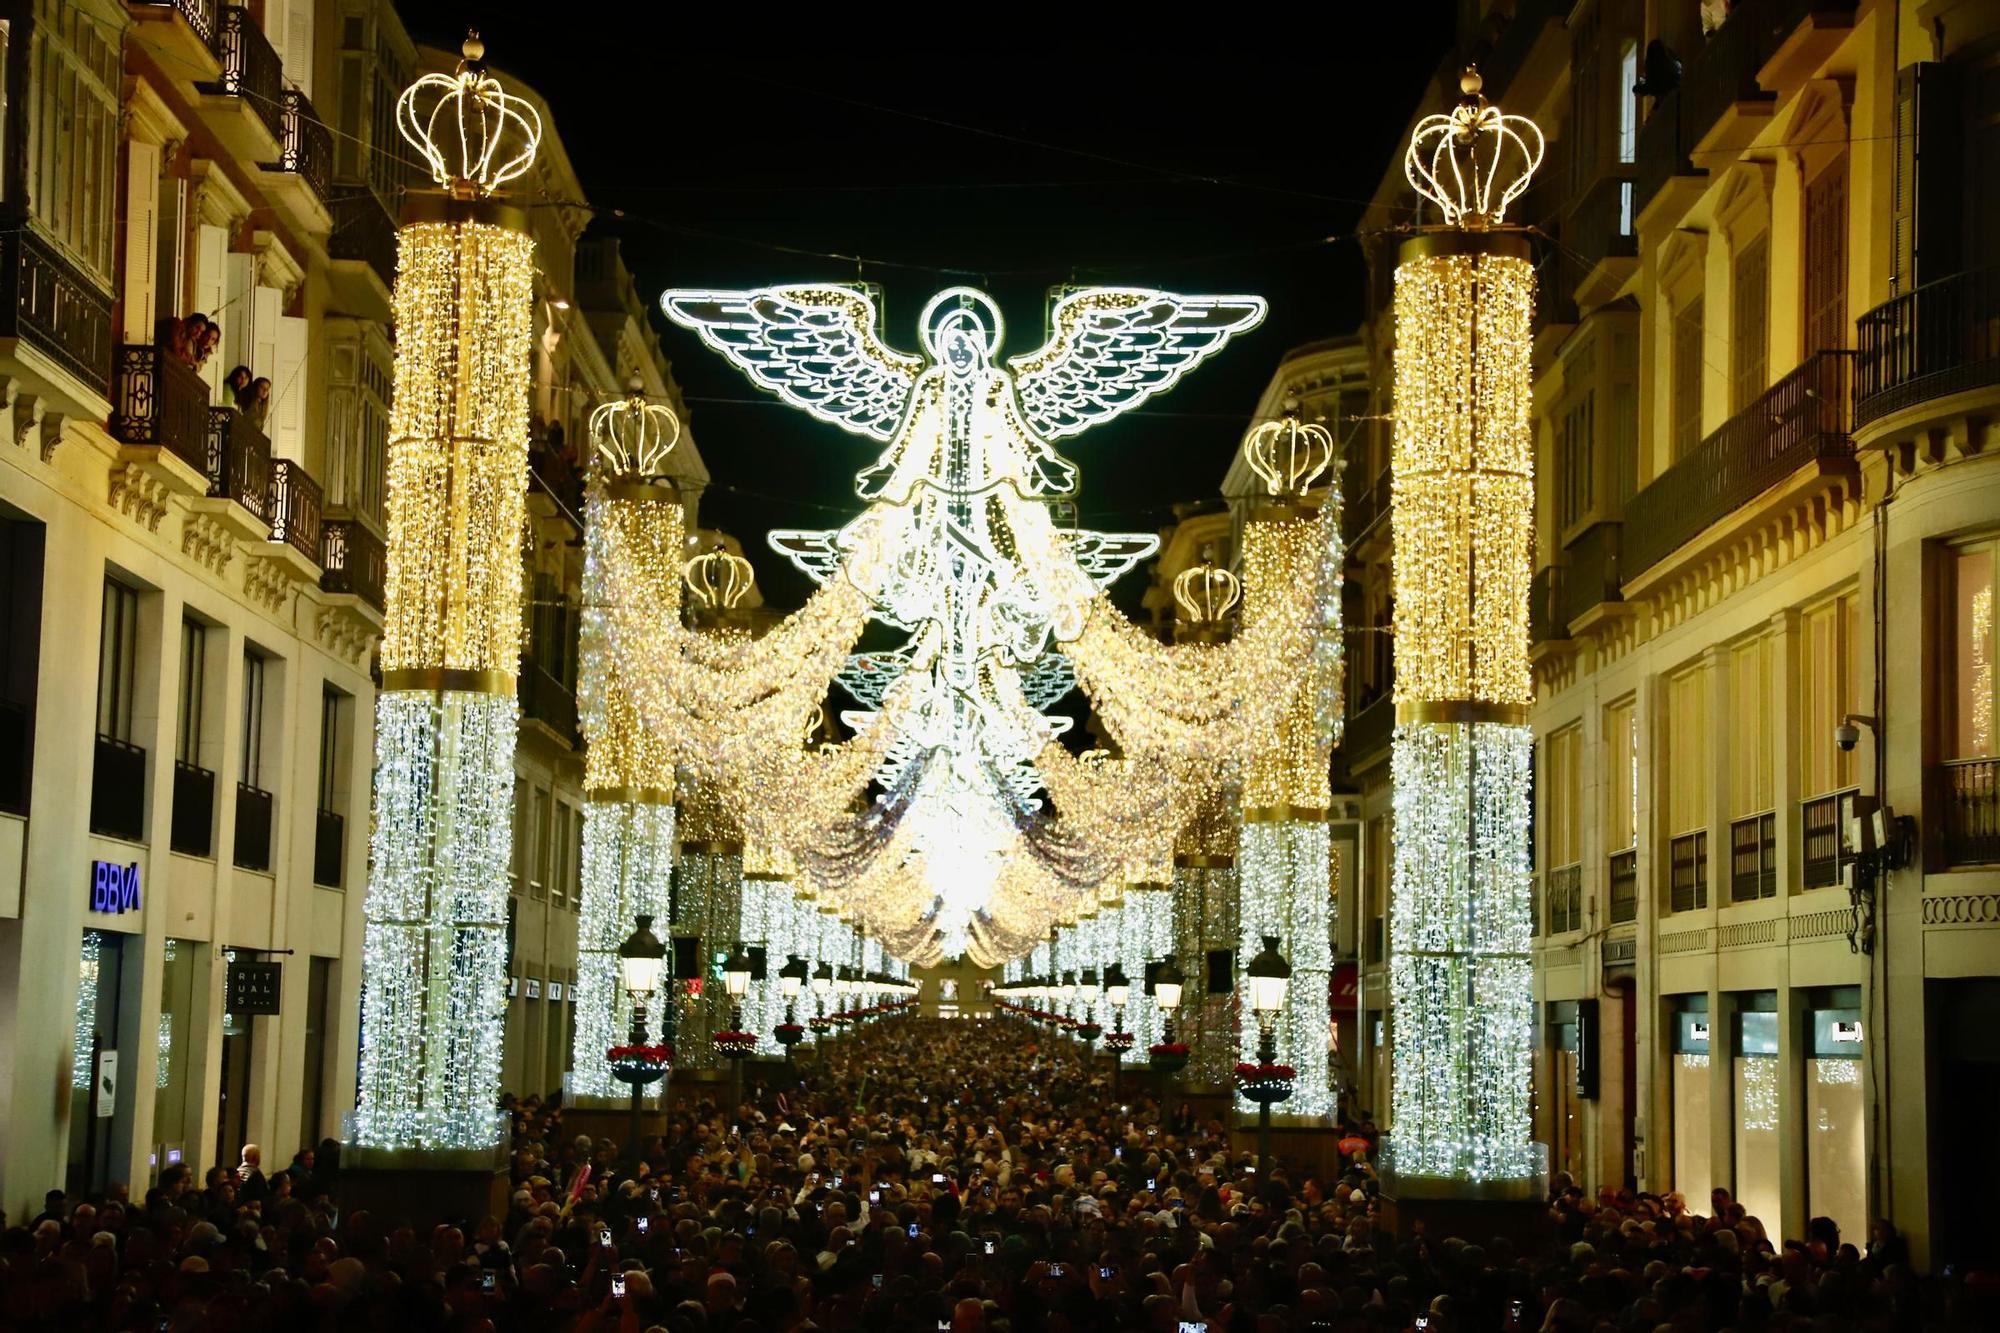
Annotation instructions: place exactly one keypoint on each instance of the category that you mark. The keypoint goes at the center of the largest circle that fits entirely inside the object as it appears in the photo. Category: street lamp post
(736, 980)
(640, 960)
(1117, 990)
(1269, 976)
(1167, 983)
(791, 980)
(822, 984)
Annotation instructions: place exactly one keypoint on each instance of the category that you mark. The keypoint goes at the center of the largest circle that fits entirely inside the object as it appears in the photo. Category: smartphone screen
(1194, 1326)
(1057, 1270)
(874, 1196)
(877, 1280)
(913, 1231)
(1105, 1272)
(1152, 1182)
(604, 1239)
(617, 1284)
(488, 1278)
(937, 1178)
(989, 1247)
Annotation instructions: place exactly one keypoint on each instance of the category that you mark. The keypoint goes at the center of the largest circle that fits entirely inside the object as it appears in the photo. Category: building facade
(191, 583)
(1766, 512)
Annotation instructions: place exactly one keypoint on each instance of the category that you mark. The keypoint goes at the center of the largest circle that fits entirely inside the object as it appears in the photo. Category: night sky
(1014, 171)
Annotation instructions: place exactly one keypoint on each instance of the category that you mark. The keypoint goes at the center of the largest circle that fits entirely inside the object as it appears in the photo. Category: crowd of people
(926, 1175)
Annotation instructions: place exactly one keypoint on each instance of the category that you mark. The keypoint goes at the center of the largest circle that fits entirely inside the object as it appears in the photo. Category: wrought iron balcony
(353, 560)
(203, 17)
(1564, 900)
(1547, 618)
(547, 700)
(1601, 227)
(329, 848)
(193, 829)
(1802, 419)
(1687, 870)
(306, 146)
(1361, 512)
(251, 69)
(162, 401)
(49, 305)
(295, 508)
(1942, 338)
(1593, 575)
(364, 230)
(1968, 801)
(253, 827)
(1823, 834)
(1623, 885)
(118, 789)
(1753, 857)
(239, 461)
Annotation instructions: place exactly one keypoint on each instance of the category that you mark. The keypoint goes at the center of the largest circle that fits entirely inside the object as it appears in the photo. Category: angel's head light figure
(961, 329)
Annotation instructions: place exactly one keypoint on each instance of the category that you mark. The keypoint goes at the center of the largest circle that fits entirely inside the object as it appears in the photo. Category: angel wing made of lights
(815, 347)
(1112, 348)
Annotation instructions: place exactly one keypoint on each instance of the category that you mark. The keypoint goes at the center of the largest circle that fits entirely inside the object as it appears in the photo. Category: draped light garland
(434, 943)
(1463, 479)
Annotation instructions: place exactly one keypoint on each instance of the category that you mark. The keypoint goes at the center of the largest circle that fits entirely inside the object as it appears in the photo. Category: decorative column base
(425, 1187)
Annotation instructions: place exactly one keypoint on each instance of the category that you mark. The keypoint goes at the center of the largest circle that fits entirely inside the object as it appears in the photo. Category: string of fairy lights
(824, 850)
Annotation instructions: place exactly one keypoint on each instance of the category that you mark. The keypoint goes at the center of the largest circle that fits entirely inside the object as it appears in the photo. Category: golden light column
(628, 781)
(1463, 480)
(434, 949)
(708, 885)
(1282, 863)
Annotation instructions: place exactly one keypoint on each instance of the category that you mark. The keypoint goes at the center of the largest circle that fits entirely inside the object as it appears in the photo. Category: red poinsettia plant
(736, 1043)
(1265, 1073)
(1168, 1048)
(653, 1055)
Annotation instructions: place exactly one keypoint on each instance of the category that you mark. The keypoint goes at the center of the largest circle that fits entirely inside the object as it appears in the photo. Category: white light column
(434, 947)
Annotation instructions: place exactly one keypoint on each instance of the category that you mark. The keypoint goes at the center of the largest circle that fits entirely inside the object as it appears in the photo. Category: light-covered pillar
(628, 812)
(1463, 477)
(434, 947)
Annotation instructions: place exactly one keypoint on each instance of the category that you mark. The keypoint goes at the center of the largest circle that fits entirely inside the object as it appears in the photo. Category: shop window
(1693, 1094)
(1756, 1115)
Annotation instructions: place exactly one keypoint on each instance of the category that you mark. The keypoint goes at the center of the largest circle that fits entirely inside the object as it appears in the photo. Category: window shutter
(142, 237)
(211, 263)
(266, 305)
(299, 45)
(288, 390)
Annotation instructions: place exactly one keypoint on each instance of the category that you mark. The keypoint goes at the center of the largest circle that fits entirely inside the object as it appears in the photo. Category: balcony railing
(306, 146)
(162, 401)
(295, 508)
(1600, 227)
(1565, 899)
(1969, 802)
(1943, 338)
(239, 461)
(1801, 420)
(16, 756)
(253, 827)
(1548, 618)
(47, 303)
(118, 789)
(364, 230)
(1823, 834)
(1593, 576)
(353, 560)
(548, 701)
(1623, 886)
(193, 831)
(1753, 857)
(251, 69)
(1687, 872)
(329, 848)
(203, 16)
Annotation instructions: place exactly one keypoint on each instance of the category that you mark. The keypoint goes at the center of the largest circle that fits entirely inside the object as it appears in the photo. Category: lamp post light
(791, 980)
(1167, 983)
(1117, 990)
(1269, 976)
(641, 958)
(736, 980)
(822, 984)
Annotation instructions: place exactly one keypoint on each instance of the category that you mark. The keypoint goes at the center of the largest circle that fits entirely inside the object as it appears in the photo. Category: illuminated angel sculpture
(963, 482)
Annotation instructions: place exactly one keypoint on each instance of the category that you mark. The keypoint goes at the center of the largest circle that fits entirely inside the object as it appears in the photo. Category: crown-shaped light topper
(718, 579)
(1206, 593)
(474, 137)
(634, 435)
(1473, 161)
(1289, 454)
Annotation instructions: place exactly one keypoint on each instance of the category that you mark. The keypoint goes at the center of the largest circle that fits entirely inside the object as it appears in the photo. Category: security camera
(1848, 734)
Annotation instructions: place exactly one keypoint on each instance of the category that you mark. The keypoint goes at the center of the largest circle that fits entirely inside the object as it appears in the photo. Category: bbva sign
(114, 888)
